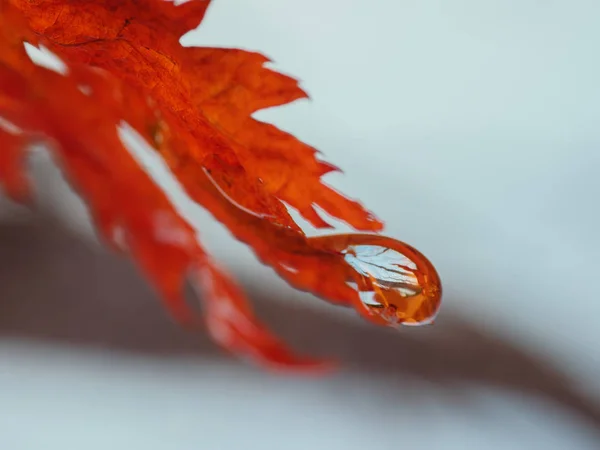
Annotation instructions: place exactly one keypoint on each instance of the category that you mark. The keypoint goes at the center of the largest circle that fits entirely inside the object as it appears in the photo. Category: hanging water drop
(396, 283)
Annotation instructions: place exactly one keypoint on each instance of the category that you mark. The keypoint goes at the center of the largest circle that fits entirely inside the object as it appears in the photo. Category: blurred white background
(470, 128)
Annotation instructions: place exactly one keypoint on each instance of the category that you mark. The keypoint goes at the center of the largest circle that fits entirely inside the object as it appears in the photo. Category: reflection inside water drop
(396, 284)
(390, 268)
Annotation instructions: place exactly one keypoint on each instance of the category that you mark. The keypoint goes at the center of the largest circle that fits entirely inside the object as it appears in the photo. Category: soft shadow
(54, 286)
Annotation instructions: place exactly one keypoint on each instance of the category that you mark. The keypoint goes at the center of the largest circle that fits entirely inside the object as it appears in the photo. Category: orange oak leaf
(125, 65)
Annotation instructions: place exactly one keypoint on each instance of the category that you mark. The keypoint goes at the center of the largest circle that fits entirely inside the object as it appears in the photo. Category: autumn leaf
(194, 106)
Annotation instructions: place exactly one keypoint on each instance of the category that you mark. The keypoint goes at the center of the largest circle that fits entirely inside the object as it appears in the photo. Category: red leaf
(12, 160)
(194, 106)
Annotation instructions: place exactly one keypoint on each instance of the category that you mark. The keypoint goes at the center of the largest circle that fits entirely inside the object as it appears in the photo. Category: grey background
(470, 128)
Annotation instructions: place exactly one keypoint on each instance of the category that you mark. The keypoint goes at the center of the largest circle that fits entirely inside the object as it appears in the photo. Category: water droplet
(396, 283)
